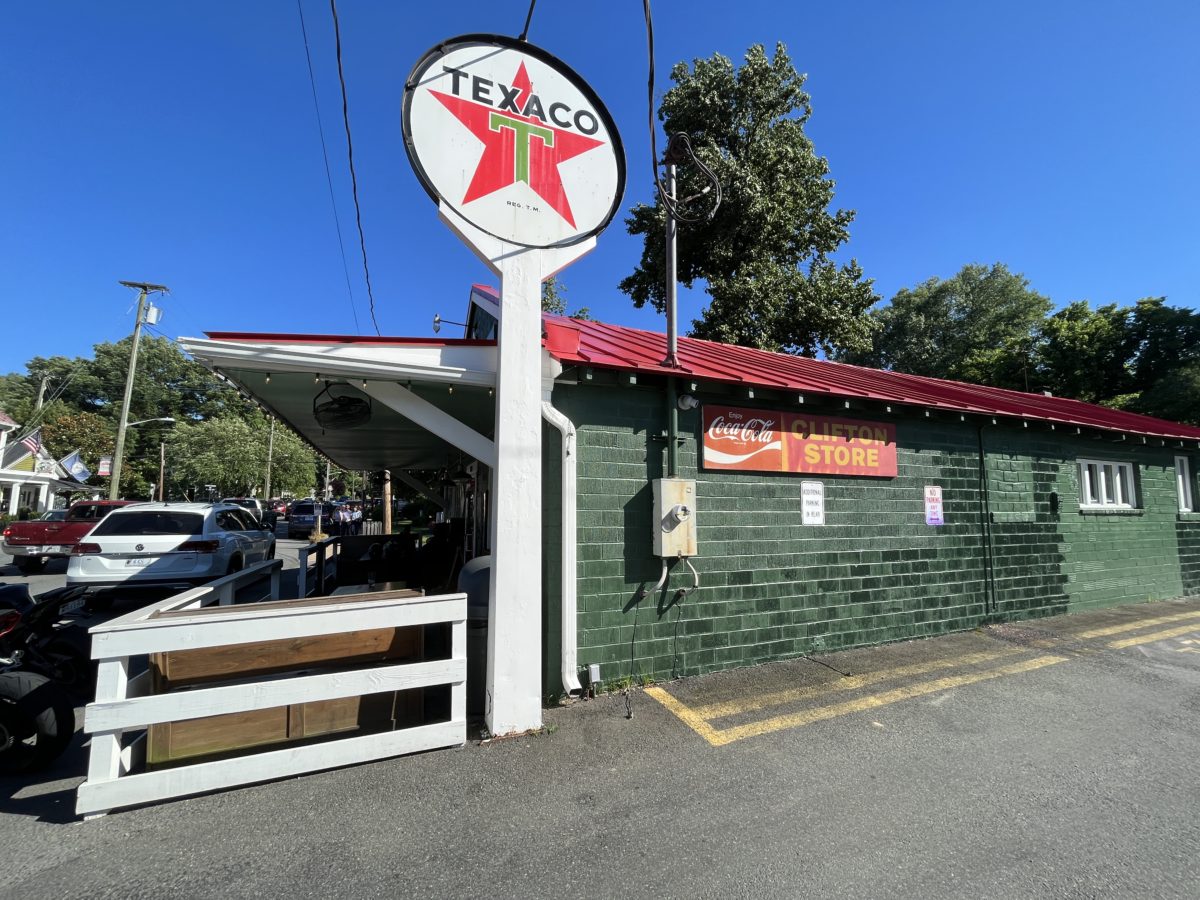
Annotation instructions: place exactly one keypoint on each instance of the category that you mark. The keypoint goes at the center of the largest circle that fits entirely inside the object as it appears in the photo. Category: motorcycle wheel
(37, 720)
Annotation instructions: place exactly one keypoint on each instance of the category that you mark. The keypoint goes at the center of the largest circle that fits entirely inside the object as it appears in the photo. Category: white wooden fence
(324, 554)
(124, 706)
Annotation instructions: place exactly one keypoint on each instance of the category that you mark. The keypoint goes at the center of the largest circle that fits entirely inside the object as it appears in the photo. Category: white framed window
(1106, 484)
(1183, 484)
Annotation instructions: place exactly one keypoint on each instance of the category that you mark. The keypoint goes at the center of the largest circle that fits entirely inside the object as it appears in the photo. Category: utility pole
(270, 453)
(144, 290)
(41, 393)
(162, 469)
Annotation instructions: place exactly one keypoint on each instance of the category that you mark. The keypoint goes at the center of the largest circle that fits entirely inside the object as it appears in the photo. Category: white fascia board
(474, 365)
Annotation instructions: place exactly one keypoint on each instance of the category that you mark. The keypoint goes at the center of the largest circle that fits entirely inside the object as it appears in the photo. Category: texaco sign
(513, 141)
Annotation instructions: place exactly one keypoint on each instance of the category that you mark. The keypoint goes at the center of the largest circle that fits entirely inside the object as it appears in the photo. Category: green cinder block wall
(772, 588)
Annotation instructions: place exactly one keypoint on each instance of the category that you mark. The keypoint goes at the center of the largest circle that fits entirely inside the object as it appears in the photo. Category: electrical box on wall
(674, 517)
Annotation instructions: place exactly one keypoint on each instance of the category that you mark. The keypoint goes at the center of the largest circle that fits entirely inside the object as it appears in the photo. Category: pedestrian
(356, 518)
(341, 518)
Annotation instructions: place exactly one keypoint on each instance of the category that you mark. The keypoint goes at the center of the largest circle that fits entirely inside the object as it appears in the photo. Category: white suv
(169, 543)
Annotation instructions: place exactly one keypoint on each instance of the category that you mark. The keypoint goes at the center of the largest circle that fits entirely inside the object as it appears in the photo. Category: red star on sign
(518, 148)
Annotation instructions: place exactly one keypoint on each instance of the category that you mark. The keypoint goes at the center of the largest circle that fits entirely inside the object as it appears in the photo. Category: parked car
(30, 544)
(280, 508)
(260, 508)
(170, 544)
(303, 517)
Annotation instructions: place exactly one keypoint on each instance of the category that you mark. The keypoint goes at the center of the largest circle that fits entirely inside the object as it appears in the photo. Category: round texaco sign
(513, 141)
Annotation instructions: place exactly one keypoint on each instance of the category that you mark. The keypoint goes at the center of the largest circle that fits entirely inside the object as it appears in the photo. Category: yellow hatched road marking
(851, 683)
(718, 737)
(1156, 636)
(686, 715)
(1130, 626)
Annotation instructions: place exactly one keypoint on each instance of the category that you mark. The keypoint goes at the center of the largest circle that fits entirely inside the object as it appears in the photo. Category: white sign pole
(514, 672)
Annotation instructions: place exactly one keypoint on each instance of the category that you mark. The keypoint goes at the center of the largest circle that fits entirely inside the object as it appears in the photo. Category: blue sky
(177, 143)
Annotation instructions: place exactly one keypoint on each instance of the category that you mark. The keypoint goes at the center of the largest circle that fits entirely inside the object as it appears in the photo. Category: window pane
(1093, 483)
(151, 522)
(1126, 485)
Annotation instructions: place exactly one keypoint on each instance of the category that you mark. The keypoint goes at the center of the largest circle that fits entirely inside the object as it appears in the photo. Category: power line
(362, 241)
(328, 176)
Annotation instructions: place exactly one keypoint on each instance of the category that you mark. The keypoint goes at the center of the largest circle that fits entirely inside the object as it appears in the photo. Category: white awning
(431, 401)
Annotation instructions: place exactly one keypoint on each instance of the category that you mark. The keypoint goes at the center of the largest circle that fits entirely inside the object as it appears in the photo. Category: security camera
(687, 401)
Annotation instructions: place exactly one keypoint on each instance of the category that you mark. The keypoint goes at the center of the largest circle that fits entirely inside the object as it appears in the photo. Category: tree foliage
(554, 300)
(979, 326)
(231, 453)
(765, 258)
(987, 326)
(83, 402)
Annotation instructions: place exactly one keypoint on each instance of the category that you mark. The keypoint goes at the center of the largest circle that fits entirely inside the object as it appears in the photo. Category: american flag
(33, 440)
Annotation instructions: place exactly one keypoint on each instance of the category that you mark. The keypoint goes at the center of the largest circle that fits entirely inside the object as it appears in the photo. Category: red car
(30, 544)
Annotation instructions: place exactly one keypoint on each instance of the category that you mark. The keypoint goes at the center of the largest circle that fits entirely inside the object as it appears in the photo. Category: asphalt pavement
(1055, 758)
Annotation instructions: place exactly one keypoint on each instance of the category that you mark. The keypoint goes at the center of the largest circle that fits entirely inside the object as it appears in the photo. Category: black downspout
(985, 530)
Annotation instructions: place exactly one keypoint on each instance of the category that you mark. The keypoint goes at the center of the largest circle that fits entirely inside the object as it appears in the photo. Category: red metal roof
(597, 344)
(633, 350)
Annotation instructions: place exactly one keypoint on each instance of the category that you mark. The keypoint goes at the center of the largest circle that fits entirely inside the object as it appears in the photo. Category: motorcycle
(44, 668)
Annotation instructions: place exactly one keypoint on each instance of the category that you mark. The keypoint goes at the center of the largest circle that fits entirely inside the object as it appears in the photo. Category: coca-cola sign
(756, 440)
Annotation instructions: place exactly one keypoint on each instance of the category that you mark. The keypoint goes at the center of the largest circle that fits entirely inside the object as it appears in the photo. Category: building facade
(1020, 534)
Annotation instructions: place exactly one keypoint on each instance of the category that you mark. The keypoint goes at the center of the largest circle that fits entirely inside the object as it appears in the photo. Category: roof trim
(383, 341)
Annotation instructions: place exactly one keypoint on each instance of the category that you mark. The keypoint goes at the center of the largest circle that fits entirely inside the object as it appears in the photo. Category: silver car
(168, 544)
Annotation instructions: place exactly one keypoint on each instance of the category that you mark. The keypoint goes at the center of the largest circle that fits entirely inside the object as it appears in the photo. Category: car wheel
(271, 551)
(37, 720)
(235, 565)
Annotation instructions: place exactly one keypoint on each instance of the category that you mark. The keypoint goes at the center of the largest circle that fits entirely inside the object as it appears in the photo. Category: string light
(268, 378)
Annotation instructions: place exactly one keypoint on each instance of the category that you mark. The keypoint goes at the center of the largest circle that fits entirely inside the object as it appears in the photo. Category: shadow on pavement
(48, 795)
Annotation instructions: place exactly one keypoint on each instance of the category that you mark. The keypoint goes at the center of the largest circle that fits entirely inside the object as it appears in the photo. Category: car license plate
(139, 561)
(72, 606)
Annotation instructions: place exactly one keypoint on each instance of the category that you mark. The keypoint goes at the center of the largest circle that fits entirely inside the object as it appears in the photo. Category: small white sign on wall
(812, 503)
(933, 505)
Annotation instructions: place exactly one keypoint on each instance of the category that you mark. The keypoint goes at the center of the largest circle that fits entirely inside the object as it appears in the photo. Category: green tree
(1165, 338)
(554, 300)
(1085, 353)
(1175, 396)
(765, 258)
(980, 326)
(231, 453)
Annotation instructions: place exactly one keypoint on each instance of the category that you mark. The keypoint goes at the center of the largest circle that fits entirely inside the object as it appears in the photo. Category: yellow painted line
(1130, 626)
(685, 714)
(779, 723)
(851, 683)
(1156, 636)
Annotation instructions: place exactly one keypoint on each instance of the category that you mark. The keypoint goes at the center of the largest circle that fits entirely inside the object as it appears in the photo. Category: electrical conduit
(567, 506)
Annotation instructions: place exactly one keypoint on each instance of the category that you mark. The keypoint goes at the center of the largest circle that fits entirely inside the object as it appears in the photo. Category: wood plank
(135, 713)
(370, 712)
(216, 734)
(97, 797)
(181, 668)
